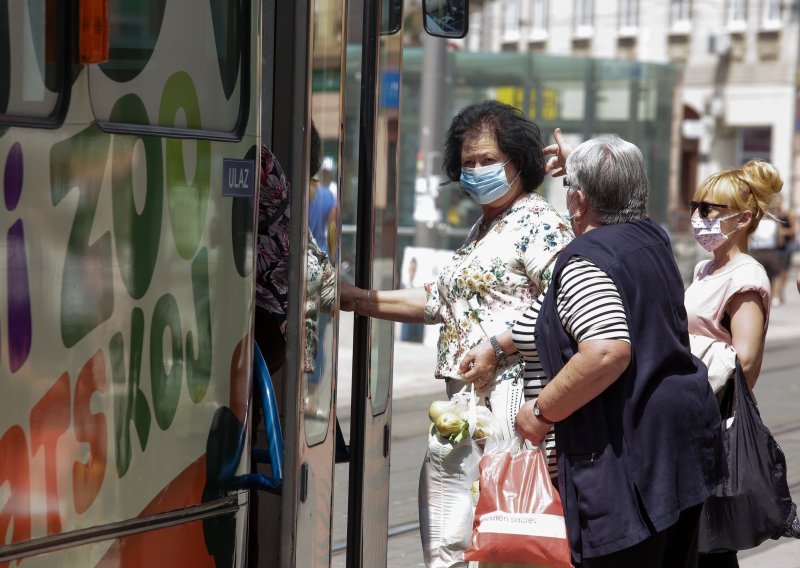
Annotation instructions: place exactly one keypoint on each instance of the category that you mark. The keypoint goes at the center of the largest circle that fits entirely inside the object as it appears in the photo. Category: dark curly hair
(516, 136)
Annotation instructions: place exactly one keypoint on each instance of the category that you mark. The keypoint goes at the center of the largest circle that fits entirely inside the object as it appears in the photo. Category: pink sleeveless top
(709, 294)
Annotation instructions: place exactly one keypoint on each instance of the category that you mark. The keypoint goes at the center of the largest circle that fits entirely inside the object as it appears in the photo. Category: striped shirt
(590, 307)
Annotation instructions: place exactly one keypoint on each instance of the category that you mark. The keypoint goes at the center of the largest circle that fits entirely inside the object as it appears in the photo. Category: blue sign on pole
(390, 89)
(238, 177)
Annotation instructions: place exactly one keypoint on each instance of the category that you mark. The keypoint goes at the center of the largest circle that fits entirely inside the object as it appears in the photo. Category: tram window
(392, 15)
(186, 62)
(32, 62)
(446, 18)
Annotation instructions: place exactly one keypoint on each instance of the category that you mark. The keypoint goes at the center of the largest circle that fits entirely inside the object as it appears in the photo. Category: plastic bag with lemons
(461, 417)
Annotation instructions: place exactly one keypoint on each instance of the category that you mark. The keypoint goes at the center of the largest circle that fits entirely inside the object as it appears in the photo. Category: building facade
(736, 62)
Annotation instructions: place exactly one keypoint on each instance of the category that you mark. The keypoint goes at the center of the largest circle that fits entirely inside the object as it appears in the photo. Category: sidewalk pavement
(784, 553)
(784, 320)
(784, 326)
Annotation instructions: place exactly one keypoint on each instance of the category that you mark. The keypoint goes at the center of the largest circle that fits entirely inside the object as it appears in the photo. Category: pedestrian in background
(505, 263)
(728, 303)
(787, 231)
(636, 424)
(764, 243)
(322, 206)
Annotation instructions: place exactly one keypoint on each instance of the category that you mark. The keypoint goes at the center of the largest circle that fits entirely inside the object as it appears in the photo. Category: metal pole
(427, 215)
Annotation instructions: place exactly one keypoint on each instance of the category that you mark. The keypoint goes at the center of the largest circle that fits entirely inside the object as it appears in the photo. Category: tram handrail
(273, 455)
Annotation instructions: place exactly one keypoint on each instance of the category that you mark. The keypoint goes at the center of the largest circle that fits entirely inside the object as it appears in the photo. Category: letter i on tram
(139, 424)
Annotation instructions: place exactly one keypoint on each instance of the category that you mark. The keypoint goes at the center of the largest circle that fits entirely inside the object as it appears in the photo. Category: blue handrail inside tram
(273, 455)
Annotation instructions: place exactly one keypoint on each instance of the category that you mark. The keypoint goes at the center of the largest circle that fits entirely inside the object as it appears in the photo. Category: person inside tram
(637, 428)
(505, 263)
(272, 293)
(272, 265)
(728, 302)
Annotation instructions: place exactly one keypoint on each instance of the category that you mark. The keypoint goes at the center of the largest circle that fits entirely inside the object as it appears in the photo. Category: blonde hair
(749, 188)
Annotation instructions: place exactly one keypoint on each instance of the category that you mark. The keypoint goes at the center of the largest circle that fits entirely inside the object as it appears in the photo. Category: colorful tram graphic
(129, 132)
(126, 337)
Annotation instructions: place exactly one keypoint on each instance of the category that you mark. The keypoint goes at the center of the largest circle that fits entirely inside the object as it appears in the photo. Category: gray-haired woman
(636, 424)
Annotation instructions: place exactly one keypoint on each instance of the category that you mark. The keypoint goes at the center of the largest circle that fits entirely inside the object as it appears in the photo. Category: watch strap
(498, 351)
(538, 413)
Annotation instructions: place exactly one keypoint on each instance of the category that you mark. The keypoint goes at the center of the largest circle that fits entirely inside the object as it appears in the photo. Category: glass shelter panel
(582, 96)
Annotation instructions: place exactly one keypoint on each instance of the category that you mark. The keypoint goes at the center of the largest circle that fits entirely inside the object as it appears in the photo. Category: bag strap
(744, 396)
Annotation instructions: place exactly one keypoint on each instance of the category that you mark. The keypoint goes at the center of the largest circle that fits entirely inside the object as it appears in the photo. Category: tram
(139, 425)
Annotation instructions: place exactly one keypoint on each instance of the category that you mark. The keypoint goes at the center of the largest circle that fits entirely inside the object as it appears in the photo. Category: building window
(736, 15)
(584, 18)
(681, 15)
(538, 19)
(475, 31)
(628, 14)
(511, 20)
(755, 143)
(770, 14)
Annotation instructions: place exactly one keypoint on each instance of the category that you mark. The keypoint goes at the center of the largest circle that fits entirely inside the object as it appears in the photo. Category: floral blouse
(272, 261)
(320, 297)
(272, 244)
(491, 282)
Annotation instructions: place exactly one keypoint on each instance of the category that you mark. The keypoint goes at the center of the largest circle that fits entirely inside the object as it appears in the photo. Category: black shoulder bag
(753, 503)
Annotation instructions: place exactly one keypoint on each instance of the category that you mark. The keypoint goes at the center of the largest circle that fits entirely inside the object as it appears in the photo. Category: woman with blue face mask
(497, 157)
(728, 301)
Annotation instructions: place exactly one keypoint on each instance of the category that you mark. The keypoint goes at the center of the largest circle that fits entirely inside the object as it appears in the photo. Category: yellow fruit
(437, 407)
(481, 432)
(449, 423)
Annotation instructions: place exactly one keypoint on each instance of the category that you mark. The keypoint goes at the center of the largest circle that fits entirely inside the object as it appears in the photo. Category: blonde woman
(728, 301)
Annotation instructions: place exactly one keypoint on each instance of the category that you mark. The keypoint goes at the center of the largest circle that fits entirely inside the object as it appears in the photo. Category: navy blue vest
(650, 445)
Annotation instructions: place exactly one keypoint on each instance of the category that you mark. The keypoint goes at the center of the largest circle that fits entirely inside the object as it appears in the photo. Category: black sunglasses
(705, 207)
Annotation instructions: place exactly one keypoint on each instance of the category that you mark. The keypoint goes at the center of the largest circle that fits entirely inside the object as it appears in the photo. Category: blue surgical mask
(486, 184)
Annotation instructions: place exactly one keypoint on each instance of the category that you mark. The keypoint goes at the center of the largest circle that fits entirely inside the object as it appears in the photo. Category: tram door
(304, 47)
(375, 46)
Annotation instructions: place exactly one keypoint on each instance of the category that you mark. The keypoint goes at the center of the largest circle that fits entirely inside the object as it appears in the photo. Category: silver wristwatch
(498, 351)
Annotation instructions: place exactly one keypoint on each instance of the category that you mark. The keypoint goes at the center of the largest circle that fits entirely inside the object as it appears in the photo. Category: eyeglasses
(566, 183)
(705, 207)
